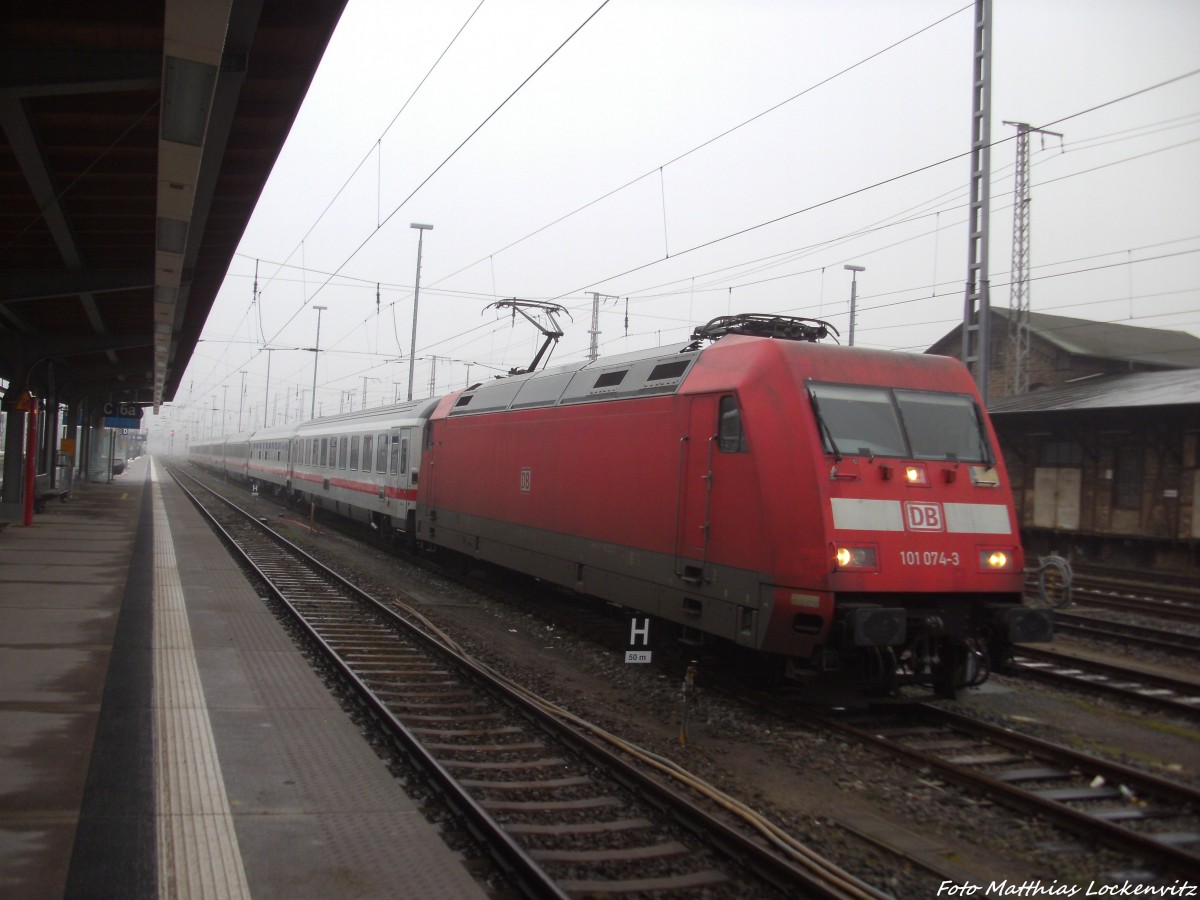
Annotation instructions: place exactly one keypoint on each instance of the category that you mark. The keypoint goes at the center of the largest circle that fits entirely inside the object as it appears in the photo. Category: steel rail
(1145, 782)
(1162, 608)
(1107, 630)
(1134, 685)
(1115, 836)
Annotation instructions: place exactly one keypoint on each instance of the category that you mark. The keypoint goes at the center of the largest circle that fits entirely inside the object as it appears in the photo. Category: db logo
(923, 516)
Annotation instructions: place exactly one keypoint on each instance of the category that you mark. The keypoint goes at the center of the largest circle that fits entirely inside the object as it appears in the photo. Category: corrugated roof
(1112, 340)
(1154, 389)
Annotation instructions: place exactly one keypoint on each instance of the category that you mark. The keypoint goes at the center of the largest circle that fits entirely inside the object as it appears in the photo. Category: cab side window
(731, 437)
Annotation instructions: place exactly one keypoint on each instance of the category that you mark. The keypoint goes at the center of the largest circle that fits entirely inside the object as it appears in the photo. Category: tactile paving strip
(198, 852)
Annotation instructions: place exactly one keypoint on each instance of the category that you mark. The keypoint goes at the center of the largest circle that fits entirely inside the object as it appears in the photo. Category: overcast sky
(688, 160)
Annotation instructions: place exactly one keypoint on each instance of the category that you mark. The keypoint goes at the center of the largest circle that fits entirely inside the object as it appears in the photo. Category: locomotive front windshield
(877, 421)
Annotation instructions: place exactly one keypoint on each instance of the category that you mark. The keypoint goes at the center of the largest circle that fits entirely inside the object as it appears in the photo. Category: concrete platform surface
(160, 735)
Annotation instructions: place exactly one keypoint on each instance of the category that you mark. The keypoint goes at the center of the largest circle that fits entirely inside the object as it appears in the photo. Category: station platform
(160, 734)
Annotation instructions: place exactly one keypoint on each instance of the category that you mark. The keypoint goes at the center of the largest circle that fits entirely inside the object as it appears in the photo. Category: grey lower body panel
(724, 601)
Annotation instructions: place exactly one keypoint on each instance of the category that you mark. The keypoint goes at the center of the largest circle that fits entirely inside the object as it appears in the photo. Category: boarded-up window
(1061, 453)
(1127, 477)
(1056, 497)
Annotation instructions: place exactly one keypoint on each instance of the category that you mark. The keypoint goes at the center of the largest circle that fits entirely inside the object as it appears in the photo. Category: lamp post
(316, 356)
(854, 270)
(412, 354)
(242, 401)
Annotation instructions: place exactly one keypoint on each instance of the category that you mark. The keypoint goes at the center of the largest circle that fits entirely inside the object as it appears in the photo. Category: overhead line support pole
(1019, 304)
(977, 306)
(412, 354)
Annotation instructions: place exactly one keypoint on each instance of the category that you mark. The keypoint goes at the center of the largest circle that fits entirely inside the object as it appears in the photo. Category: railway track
(1171, 580)
(1131, 685)
(1175, 608)
(1152, 819)
(563, 808)
(1125, 633)
(1175, 602)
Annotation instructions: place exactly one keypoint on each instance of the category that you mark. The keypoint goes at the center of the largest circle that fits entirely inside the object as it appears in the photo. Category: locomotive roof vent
(610, 379)
(786, 328)
(673, 369)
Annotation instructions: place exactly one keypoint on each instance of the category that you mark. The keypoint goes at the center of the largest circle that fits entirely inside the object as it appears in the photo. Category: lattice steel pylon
(1018, 322)
(594, 331)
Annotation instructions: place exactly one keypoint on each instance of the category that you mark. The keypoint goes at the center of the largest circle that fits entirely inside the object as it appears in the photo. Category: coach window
(404, 456)
(381, 454)
(343, 452)
(368, 446)
(322, 452)
(731, 437)
(395, 455)
(354, 442)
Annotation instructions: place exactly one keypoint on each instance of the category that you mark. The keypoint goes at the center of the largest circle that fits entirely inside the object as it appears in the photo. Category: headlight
(996, 559)
(916, 475)
(856, 558)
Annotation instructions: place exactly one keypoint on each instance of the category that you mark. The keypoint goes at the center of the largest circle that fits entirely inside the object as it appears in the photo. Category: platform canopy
(136, 139)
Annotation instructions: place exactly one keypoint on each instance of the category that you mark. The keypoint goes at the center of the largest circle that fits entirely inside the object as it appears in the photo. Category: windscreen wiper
(983, 438)
(837, 454)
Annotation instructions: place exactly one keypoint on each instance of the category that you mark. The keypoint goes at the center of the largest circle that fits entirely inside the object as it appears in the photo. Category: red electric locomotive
(831, 509)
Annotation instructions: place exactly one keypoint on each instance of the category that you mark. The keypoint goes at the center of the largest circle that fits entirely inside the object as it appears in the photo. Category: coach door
(695, 487)
(400, 465)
